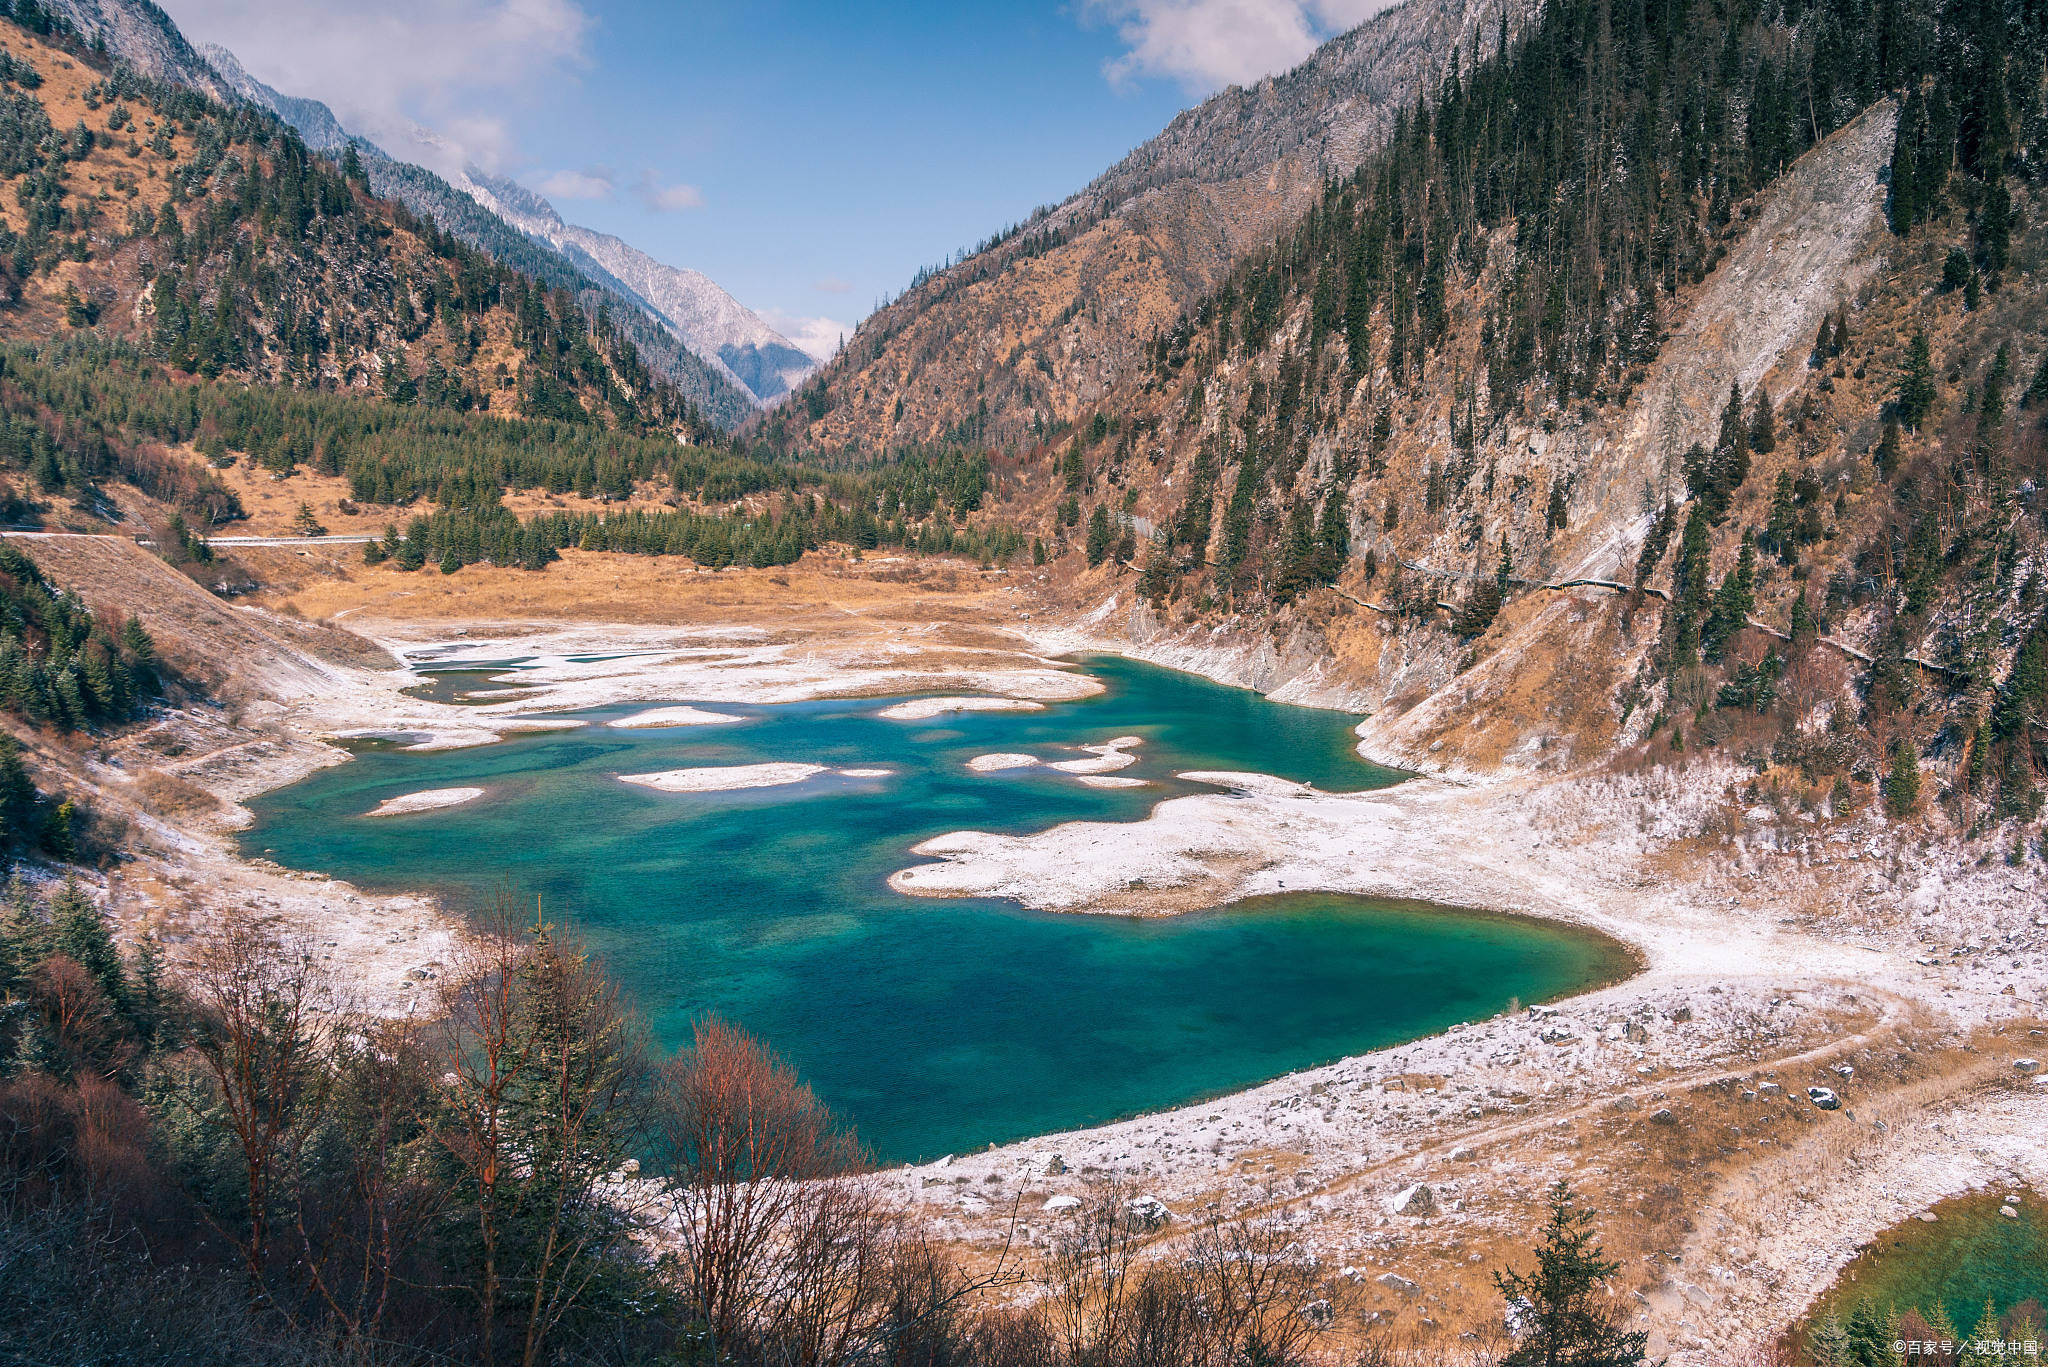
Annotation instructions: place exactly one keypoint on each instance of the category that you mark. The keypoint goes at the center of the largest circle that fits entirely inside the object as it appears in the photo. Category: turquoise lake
(934, 1026)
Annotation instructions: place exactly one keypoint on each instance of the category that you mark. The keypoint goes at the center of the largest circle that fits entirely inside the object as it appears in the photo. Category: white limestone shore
(724, 778)
(430, 800)
(672, 716)
(924, 709)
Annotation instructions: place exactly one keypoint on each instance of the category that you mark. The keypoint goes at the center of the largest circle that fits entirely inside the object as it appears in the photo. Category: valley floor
(1778, 953)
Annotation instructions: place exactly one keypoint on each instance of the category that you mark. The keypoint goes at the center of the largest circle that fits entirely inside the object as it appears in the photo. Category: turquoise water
(1969, 1255)
(935, 1026)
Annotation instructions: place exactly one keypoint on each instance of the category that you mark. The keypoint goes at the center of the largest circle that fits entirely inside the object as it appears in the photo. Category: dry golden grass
(821, 589)
(167, 795)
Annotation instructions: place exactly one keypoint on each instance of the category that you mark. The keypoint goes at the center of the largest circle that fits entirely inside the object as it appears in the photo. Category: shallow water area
(1969, 1253)
(935, 1026)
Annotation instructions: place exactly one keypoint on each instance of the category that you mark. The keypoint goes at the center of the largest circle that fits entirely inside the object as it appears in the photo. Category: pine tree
(1902, 780)
(1733, 602)
(1916, 387)
(1100, 535)
(1828, 1345)
(59, 838)
(79, 930)
(1563, 1322)
(1763, 424)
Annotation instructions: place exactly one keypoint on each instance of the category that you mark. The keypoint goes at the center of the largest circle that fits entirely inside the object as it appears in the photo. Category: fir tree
(1565, 1321)
(79, 930)
(1902, 781)
(1916, 386)
(1101, 536)
(1828, 1344)
(1763, 424)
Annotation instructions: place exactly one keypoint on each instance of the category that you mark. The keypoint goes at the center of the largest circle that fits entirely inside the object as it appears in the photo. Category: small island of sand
(1108, 756)
(924, 709)
(672, 716)
(991, 764)
(724, 778)
(427, 801)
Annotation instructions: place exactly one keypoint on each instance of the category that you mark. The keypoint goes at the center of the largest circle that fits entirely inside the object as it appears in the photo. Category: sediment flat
(430, 800)
(724, 778)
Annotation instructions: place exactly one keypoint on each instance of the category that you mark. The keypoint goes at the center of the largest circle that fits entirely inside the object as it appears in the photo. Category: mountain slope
(707, 383)
(1037, 329)
(711, 322)
(144, 38)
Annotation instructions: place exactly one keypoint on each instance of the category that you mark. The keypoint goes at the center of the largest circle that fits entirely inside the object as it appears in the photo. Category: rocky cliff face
(143, 37)
(1039, 329)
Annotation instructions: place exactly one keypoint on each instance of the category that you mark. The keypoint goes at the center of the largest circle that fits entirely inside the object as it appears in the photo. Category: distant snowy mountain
(710, 321)
(717, 329)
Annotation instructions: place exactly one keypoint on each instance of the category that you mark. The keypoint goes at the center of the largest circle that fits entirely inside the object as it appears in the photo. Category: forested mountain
(1672, 381)
(458, 210)
(210, 238)
(137, 31)
(728, 343)
(1037, 327)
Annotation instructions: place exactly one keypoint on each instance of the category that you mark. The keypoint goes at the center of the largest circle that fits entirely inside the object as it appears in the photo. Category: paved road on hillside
(337, 540)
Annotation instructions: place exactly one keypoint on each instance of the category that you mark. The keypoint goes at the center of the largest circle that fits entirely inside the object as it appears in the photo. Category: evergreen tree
(1902, 780)
(79, 930)
(1558, 1305)
(1733, 602)
(1916, 386)
(1763, 424)
(1828, 1345)
(1101, 535)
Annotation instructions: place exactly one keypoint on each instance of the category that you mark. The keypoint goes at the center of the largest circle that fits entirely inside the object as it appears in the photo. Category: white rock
(1417, 1201)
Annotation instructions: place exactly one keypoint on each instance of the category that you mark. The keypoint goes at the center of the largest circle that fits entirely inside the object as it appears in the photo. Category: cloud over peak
(385, 66)
(657, 198)
(1209, 44)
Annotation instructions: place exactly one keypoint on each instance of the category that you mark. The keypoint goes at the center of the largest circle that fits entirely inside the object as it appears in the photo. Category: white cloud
(658, 198)
(816, 337)
(385, 66)
(1209, 44)
(592, 182)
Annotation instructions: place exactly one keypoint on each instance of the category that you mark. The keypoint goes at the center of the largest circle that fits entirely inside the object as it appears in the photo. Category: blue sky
(808, 156)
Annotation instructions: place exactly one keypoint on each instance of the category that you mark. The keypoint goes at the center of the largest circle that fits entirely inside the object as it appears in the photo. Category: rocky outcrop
(145, 38)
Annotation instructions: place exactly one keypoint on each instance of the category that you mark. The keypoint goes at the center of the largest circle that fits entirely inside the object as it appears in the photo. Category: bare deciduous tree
(256, 1035)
